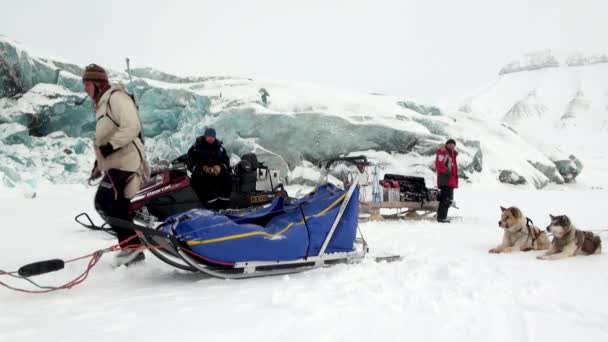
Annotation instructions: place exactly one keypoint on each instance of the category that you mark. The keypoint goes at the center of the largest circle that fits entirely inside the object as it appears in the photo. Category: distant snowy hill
(45, 133)
(557, 102)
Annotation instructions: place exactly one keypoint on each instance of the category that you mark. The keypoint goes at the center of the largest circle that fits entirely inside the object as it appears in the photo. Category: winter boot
(129, 257)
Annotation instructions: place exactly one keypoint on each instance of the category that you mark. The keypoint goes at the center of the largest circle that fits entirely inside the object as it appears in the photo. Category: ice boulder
(569, 168)
(511, 177)
(14, 133)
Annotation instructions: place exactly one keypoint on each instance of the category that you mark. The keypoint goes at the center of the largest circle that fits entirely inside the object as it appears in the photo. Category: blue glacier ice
(45, 130)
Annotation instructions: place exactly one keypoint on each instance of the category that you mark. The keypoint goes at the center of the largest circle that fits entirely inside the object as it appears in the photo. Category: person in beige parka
(119, 152)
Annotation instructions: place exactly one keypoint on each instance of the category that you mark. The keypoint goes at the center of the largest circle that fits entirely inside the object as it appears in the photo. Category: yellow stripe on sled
(246, 235)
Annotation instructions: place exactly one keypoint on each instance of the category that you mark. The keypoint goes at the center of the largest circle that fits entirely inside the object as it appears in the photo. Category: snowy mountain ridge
(549, 59)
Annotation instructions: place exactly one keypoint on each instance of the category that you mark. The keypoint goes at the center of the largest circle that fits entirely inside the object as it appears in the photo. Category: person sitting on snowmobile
(119, 153)
(211, 174)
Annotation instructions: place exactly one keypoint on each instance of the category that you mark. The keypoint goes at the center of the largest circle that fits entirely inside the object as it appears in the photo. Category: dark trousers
(446, 197)
(110, 201)
(213, 191)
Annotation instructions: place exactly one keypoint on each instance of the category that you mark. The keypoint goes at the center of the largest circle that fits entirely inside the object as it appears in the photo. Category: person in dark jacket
(264, 94)
(447, 177)
(211, 174)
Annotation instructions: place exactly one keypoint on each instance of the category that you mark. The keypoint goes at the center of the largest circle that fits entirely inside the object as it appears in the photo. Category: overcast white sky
(421, 49)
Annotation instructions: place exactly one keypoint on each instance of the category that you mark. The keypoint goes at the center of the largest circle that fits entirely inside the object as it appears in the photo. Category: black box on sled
(412, 188)
(245, 176)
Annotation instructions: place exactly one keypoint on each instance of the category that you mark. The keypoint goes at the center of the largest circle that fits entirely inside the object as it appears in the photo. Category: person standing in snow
(210, 167)
(264, 94)
(119, 152)
(447, 177)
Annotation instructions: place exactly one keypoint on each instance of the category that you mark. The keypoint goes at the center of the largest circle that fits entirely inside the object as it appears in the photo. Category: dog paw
(527, 249)
(494, 251)
(542, 257)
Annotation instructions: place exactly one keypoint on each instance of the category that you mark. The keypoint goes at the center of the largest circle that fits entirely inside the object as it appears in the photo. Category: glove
(106, 150)
(215, 170)
(206, 169)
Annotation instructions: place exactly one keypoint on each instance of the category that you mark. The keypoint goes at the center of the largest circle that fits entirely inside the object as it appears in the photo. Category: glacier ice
(157, 75)
(166, 110)
(418, 108)
(20, 72)
(56, 158)
(47, 108)
(45, 134)
(15, 133)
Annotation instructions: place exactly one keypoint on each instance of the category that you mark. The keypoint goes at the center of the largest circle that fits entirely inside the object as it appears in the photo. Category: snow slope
(447, 287)
(556, 102)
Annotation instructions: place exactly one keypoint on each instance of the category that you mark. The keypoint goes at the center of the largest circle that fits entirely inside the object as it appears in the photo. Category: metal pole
(376, 191)
(339, 216)
(130, 78)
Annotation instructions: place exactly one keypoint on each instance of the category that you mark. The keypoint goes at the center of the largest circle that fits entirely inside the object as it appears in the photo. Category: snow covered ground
(447, 287)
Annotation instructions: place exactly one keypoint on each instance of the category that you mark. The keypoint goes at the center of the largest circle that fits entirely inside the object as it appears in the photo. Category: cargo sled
(317, 230)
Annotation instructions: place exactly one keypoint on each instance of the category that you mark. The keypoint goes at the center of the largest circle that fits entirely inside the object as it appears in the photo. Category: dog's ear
(552, 217)
(503, 209)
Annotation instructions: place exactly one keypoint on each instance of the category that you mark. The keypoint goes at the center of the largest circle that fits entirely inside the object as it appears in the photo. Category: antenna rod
(130, 78)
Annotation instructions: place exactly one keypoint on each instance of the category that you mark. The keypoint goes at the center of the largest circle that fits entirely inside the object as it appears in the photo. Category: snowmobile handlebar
(359, 161)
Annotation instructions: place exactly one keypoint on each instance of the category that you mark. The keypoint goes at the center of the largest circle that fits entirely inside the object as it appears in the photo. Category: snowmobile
(169, 192)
